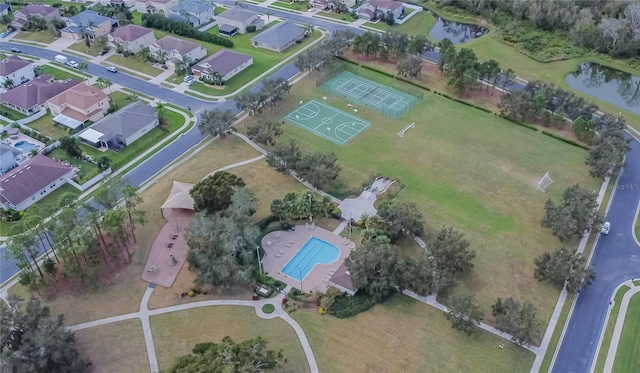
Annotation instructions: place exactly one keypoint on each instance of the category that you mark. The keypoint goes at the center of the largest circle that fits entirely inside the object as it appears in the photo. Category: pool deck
(22, 137)
(281, 246)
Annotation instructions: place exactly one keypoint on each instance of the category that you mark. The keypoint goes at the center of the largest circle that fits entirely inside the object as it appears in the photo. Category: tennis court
(326, 121)
(368, 93)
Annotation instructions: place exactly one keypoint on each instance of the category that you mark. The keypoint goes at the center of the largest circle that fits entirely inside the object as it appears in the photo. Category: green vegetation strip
(59, 74)
(637, 228)
(268, 308)
(557, 333)
(608, 334)
(628, 354)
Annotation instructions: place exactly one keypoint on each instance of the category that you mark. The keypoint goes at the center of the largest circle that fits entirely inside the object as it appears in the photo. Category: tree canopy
(464, 313)
(575, 214)
(563, 267)
(214, 193)
(401, 218)
(517, 319)
(265, 132)
(216, 122)
(451, 255)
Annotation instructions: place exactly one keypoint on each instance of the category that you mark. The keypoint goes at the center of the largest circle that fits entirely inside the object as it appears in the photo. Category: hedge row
(378, 71)
(346, 305)
(264, 222)
(565, 140)
(413, 83)
(463, 102)
(514, 121)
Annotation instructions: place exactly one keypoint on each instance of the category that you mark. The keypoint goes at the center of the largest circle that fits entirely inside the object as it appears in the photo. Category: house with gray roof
(236, 20)
(9, 157)
(32, 181)
(89, 22)
(32, 96)
(222, 65)
(122, 128)
(279, 37)
(193, 12)
(5, 9)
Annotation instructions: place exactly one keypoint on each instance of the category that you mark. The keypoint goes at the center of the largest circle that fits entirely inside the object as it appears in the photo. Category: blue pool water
(315, 251)
(25, 146)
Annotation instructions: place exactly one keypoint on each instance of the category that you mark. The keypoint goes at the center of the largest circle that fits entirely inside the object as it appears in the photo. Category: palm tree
(105, 82)
(132, 97)
(102, 42)
(268, 14)
(83, 66)
(144, 54)
(8, 83)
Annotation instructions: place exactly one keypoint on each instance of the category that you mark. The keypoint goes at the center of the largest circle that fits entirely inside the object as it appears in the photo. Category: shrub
(268, 308)
(565, 140)
(346, 305)
(191, 293)
(336, 213)
(251, 28)
(264, 222)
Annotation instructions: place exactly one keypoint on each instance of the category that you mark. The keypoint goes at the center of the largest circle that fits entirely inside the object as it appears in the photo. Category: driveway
(616, 258)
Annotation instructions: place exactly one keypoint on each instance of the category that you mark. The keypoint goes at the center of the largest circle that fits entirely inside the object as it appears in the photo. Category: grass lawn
(81, 47)
(418, 24)
(117, 347)
(176, 333)
(491, 196)
(611, 323)
(127, 287)
(637, 227)
(403, 335)
(134, 64)
(36, 36)
(294, 5)
(137, 18)
(87, 170)
(60, 74)
(11, 114)
(220, 9)
(120, 99)
(627, 356)
(45, 126)
(347, 17)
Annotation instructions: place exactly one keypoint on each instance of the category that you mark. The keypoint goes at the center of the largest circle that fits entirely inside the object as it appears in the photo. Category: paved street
(616, 259)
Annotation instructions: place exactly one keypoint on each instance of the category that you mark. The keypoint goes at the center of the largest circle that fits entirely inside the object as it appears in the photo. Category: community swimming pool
(315, 251)
(25, 146)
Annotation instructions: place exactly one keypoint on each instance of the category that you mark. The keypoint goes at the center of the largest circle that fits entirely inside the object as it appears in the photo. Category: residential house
(78, 105)
(155, 6)
(120, 3)
(32, 96)
(373, 9)
(177, 49)
(328, 4)
(89, 22)
(132, 38)
(21, 16)
(279, 37)
(193, 12)
(236, 20)
(9, 158)
(15, 70)
(342, 280)
(5, 9)
(31, 181)
(222, 65)
(122, 128)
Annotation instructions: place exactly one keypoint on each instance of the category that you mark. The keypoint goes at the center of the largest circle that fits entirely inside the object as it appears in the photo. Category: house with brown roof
(132, 38)
(155, 6)
(16, 70)
(78, 105)
(32, 96)
(31, 181)
(373, 9)
(176, 48)
(21, 16)
(342, 280)
(222, 65)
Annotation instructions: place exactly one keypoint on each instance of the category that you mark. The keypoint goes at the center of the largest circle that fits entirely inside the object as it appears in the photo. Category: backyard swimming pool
(25, 146)
(315, 251)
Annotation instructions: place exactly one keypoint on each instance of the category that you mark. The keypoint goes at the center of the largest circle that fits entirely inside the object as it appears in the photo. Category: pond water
(457, 32)
(614, 86)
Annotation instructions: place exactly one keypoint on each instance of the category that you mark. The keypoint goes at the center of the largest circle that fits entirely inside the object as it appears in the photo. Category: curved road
(616, 258)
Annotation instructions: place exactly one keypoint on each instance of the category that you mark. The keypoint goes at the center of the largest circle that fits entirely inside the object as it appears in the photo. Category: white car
(73, 64)
(188, 78)
(112, 69)
(606, 227)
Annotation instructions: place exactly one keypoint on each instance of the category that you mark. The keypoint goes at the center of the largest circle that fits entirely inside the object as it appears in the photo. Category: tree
(103, 162)
(247, 356)
(372, 267)
(8, 83)
(585, 130)
(213, 193)
(575, 214)
(33, 342)
(451, 254)
(564, 268)
(284, 157)
(517, 319)
(607, 156)
(143, 54)
(71, 146)
(83, 66)
(114, 223)
(102, 42)
(6, 19)
(318, 168)
(410, 66)
(447, 54)
(181, 66)
(132, 203)
(401, 218)
(265, 132)
(216, 122)
(464, 313)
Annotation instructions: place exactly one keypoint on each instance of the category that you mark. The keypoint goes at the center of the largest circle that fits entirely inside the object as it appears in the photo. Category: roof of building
(227, 28)
(4, 7)
(4, 149)
(223, 62)
(170, 43)
(12, 64)
(186, 18)
(67, 121)
(342, 278)
(36, 91)
(37, 9)
(124, 122)
(131, 32)
(179, 197)
(389, 4)
(30, 177)
(84, 19)
(237, 14)
(279, 35)
(81, 96)
(192, 6)
(156, 1)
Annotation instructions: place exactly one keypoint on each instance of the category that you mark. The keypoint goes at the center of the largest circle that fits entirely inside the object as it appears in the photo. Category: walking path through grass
(618, 329)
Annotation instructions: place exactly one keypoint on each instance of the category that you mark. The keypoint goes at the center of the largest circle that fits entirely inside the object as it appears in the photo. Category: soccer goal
(401, 133)
(544, 182)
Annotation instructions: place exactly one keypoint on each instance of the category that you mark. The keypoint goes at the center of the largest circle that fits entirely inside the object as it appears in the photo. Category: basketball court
(326, 121)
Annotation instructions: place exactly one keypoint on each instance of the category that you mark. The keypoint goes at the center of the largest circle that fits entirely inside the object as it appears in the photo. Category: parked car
(73, 64)
(187, 78)
(4, 34)
(606, 227)
(104, 51)
(191, 82)
(16, 50)
(112, 69)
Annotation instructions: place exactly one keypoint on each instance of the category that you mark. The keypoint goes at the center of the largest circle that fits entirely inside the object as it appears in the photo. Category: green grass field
(628, 354)
(37, 36)
(637, 227)
(403, 335)
(176, 333)
(292, 6)
(134, 64)
(342, 17)
(467, 169)
(45, 126)
(81, 47)
(60, 74)
(419, 24)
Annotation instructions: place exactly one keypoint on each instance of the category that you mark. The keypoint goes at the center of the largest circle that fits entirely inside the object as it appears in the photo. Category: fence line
(94, 180)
